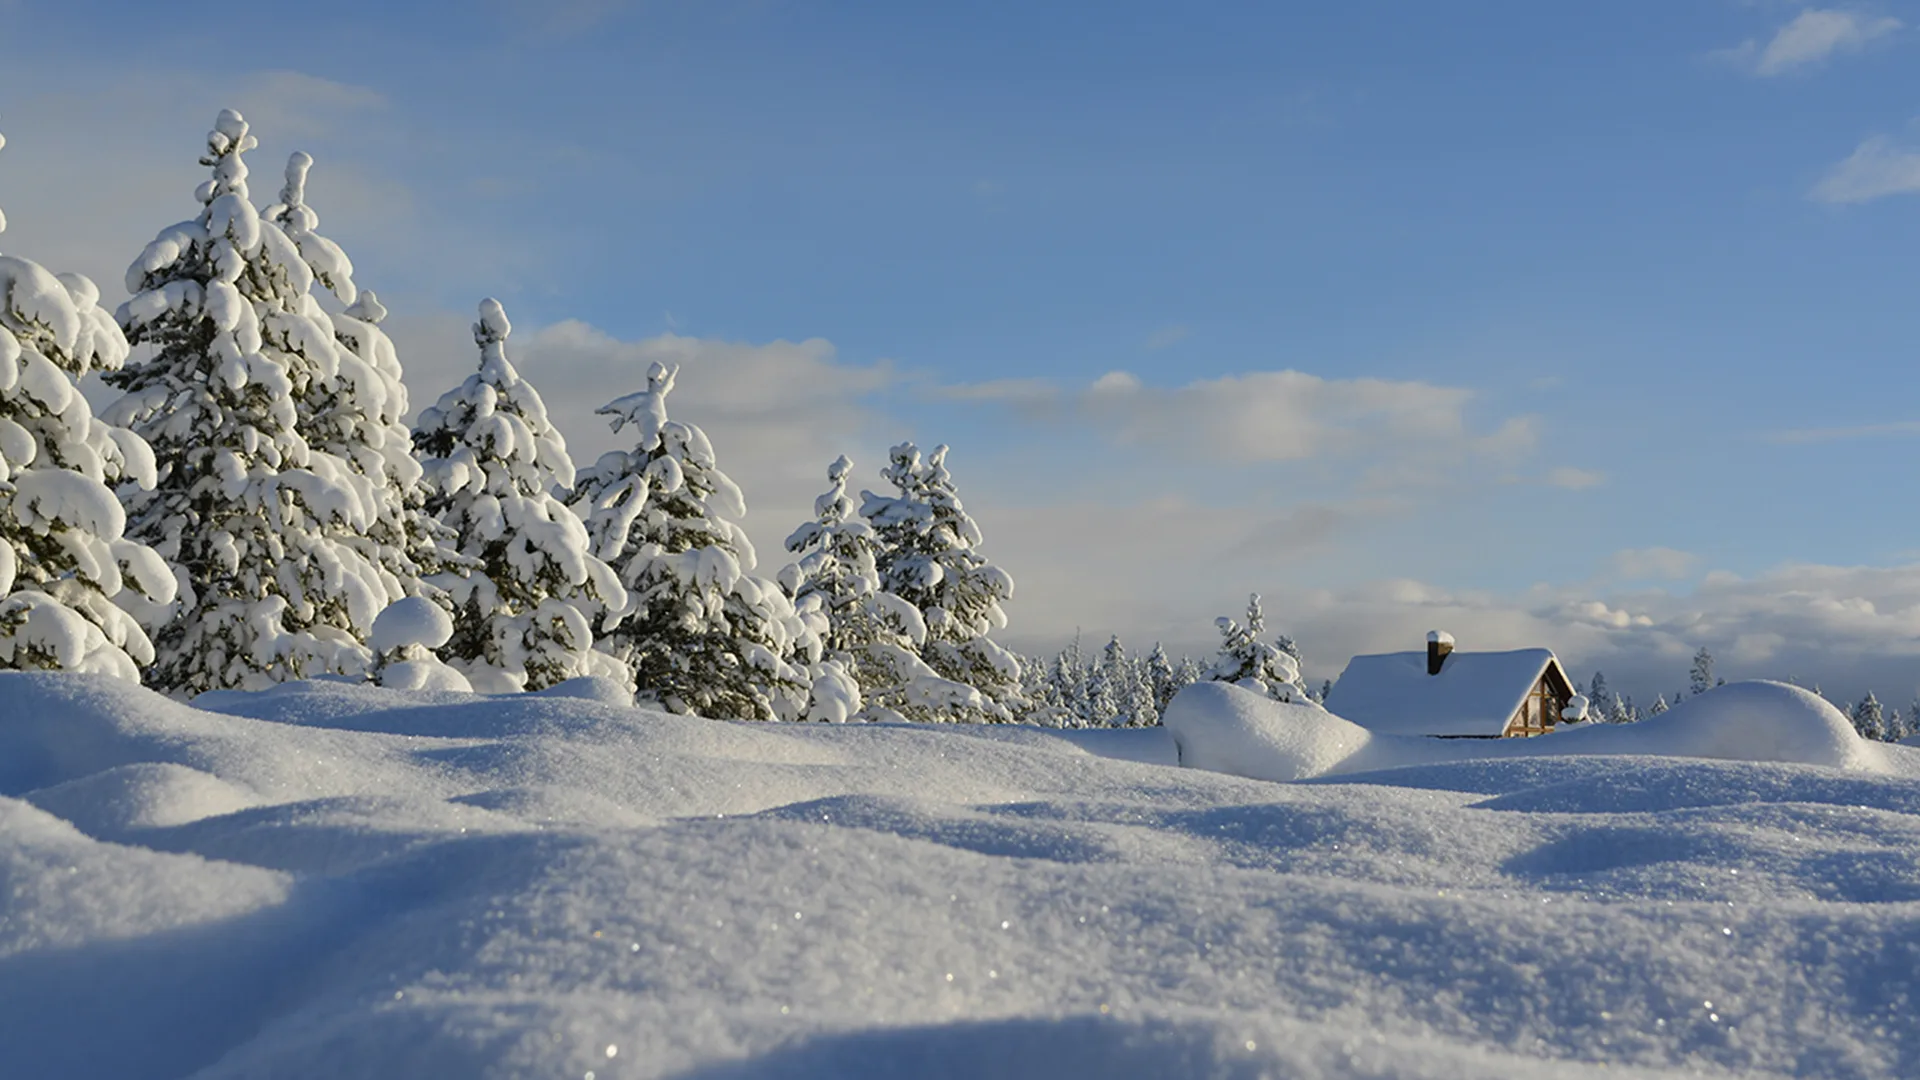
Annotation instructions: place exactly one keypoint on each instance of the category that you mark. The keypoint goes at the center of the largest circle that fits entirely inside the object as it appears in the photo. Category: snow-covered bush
(403, 640)
(266, 532)
(703, 635)
(1249, 662)
(64, 560)
(529, 590)
(927, 557)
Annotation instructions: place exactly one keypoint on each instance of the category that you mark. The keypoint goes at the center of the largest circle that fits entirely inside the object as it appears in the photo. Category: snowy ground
(330, 881)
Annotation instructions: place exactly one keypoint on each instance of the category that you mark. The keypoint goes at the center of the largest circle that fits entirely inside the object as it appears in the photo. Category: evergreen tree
(63, 558)
(1869, 719)
(1601, 700)
(356, 410)
(264, 530)
(1068, 678)
(869, 634)
(1700, 680)
(929, 557)
(1109, 685)
(1142, 710)
(1247, 661)
(525, 603)
(1623, 710)
(1659, 706)
(1161, 678)
(704, 635)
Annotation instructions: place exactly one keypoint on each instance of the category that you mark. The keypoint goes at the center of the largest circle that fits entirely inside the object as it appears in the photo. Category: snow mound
(1223, 728)
(591, 688)
(1226, 729)
(141, 796)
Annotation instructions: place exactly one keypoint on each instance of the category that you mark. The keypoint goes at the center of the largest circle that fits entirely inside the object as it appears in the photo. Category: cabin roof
(1476, 693)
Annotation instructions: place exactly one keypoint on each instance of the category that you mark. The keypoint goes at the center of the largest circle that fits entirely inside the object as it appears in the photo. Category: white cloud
(1269, 416)
(1835, 434)
(1813, 37)
(1652, 563)
(1164, 337)
(1878, 167)
(1575, 479)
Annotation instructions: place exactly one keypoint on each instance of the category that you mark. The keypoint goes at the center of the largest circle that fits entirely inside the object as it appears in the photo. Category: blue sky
(1589, 304)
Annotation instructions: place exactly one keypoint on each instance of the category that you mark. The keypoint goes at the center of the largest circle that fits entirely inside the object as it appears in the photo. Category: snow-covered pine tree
(262, 529)
(63, 557)
(1659, 705)
(1601, 708)
(928, 556)
(703, 634)
(1109, 686)
(1141, 710)
(357, 411)
(1700, 679)
(1247, 661)
(525, 606)
(1869, 719)
(1623, 710)
(869, 634)
(1160, 678)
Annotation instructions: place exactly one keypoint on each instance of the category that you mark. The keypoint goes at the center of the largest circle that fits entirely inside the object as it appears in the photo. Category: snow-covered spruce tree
(704, 635)
(357, 410)
(1601, 698)
(928, 557)
(1659, 705)
(1108, 686)
(63, 558)
(526, 603)
(1700, 679)
(1160, 678)
(1869, 719)
(868, 633)
(1249, 662)
(264, 531)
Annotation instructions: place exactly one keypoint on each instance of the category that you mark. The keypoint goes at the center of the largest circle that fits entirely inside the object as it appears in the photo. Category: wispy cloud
(1878, 167)
(1652, 564)
(1795, 436)
(1575, 479)
(1165, 336)
(1266, 416)
(1813, 37)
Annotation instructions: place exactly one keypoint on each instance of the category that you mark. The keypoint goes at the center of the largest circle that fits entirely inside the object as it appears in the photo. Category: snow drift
(328, 880)
(1226, 729)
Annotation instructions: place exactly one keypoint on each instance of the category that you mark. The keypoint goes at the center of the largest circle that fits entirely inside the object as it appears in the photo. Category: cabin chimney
(1439, 644)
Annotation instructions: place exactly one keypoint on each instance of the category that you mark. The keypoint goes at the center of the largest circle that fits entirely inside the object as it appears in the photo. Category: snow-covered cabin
(1448, 694)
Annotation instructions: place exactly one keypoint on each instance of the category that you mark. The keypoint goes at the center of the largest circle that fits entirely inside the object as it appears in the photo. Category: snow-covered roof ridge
(1475, 693)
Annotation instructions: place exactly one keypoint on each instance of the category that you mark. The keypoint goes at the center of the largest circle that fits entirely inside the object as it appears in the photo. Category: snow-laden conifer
(1869, 718)
(928, 557)
(1161, 678)
(527, 600)
(1700, 678)
(63, 557)
(870, 634)
(357, 410)
(1257, 665)
(704, 635)
(263, 529)
(1109, 685)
